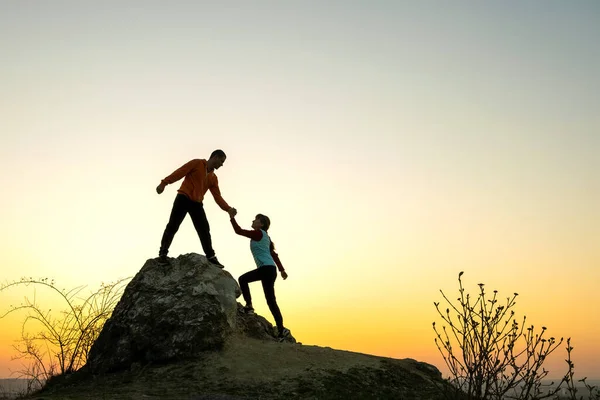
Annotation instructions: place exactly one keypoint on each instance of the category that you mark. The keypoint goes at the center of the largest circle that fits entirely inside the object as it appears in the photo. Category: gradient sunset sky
(393, 144)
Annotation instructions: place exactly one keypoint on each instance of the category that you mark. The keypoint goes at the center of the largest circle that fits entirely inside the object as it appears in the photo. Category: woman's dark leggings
(267, 275)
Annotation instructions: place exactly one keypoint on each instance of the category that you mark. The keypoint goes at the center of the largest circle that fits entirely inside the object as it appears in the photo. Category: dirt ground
(255, 369)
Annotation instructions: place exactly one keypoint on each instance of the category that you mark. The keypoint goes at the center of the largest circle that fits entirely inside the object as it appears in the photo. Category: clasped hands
(232, 212)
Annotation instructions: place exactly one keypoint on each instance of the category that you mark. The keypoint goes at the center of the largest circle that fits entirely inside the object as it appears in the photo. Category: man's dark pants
(181, 207)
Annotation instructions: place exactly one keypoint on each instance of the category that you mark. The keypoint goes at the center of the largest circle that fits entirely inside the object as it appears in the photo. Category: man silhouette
(199, 176)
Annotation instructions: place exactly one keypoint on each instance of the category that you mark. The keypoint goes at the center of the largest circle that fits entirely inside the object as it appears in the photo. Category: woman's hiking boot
(283, 333)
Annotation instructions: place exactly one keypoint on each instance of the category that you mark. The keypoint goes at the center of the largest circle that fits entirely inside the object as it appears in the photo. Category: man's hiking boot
(285, 332)
(163, 260)
(213, 260)
(248, 310)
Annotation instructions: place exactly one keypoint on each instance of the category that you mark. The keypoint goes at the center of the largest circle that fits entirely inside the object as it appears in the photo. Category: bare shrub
(57, 343)
(494, 356)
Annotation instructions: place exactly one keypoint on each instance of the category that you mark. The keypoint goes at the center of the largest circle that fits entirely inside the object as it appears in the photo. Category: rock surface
(257, 327)
(253, 369)
(168, 313)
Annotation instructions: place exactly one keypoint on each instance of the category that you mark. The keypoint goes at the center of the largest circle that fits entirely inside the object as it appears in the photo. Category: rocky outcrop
(168, 313)
(178, 332)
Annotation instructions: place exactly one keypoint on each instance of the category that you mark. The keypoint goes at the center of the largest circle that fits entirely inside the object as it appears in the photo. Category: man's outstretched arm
(216, 193)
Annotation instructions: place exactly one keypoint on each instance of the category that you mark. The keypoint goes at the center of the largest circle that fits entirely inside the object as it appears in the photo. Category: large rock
(168, 313)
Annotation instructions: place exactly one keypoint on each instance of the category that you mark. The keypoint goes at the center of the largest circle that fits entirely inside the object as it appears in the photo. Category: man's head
(216, 160)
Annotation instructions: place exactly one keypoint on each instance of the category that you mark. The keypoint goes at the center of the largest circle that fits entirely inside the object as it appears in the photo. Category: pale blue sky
(480, 75)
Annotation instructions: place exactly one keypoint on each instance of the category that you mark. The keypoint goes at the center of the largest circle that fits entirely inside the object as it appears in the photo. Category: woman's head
(261, 222)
